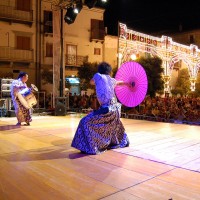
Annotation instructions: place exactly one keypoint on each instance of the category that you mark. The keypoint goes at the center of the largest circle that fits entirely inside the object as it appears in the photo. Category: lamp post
(61, 52)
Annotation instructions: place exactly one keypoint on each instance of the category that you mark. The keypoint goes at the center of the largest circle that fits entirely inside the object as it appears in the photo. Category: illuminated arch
(170, 52)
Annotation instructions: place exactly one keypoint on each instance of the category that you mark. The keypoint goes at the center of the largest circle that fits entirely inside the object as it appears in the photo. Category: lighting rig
(73, 7)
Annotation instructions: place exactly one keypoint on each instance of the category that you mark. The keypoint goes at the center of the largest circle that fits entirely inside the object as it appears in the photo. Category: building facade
(27, 40)
(17, 36)
(31, 41)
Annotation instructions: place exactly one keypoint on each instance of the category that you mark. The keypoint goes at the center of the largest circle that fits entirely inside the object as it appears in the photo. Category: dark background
(150, 16)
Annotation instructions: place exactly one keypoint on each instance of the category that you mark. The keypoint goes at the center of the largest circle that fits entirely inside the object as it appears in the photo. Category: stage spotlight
(78, 7)
(70, 15)
(90, 3)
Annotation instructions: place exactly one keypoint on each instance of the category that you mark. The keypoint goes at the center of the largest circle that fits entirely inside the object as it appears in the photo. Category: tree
(183, 82)
(176, 91)
(85, 73)
(154, 70)
(197, 90)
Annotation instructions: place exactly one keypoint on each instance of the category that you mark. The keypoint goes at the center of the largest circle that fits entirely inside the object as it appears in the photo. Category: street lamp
(133, 56)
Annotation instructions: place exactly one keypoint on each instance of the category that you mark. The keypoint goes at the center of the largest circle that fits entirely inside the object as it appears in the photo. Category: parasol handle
(132, 84)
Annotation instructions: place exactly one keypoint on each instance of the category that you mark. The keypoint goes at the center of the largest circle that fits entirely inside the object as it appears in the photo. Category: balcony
(10, 14)
(10, 54)
(75, 61)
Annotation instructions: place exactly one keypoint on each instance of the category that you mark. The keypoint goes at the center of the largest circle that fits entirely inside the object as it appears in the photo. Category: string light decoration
(165, 48)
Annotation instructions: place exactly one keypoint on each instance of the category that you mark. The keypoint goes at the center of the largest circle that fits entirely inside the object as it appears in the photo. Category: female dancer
(102, 129)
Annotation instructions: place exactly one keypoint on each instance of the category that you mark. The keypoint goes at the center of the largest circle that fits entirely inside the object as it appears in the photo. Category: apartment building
(187, 37)
(27, 40)
(17, 38)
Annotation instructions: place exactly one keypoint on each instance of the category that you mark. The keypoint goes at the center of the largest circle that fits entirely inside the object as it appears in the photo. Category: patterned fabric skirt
(98, 132)
(23, 114)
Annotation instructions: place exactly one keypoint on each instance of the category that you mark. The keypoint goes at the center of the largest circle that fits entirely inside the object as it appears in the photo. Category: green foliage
(85, 73)
(176, 91)
(154, 70)
(197, 85)
(183, 83)
(160, 92)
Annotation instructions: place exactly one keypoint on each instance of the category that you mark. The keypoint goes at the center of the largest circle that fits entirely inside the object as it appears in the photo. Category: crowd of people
(79, 102)
(169, 109)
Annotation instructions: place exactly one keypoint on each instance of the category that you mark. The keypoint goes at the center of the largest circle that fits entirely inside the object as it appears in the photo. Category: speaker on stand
(61, 106)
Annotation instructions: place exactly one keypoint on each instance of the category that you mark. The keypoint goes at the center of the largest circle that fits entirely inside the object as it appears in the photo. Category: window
(48, 24)
(97, 51)
(24, 5)
(97, 29)
(49, 50)
(71, 58)
(23, 43)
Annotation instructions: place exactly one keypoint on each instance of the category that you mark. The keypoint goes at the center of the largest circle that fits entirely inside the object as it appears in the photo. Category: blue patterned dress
(23, 114)
(101, 129)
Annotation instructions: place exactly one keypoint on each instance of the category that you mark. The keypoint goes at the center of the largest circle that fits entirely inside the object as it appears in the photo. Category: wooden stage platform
(37, 162)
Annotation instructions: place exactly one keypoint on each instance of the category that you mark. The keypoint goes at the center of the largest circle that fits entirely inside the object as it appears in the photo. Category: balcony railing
(75, 61)
(16, 55)
(9, 13)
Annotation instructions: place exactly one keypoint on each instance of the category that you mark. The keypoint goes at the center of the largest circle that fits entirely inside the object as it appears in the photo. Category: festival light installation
(133, 42)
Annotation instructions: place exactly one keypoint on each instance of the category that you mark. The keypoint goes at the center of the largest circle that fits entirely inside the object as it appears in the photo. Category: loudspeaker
(61, 105)
(60, 109)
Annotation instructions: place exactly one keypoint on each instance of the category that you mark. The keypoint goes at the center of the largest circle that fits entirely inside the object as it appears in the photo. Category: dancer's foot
(128, 143)
(27, 124)
(18, 124)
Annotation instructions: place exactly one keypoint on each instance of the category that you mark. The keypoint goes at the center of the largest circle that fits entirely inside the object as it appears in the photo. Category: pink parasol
(133, 93)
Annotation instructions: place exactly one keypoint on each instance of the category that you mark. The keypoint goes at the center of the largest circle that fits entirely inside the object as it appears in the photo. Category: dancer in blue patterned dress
(102, 128)
(23, 114)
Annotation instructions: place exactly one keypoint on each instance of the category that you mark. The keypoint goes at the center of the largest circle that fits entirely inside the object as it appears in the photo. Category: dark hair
(21, 74)
(104, 68)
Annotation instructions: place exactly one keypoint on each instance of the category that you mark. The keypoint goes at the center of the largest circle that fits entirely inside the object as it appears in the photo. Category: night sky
(147, 16)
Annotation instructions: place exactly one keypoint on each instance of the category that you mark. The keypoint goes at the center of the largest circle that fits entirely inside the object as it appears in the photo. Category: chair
(2, 108)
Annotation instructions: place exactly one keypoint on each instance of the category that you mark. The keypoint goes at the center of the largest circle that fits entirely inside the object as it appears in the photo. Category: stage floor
(37, 162)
